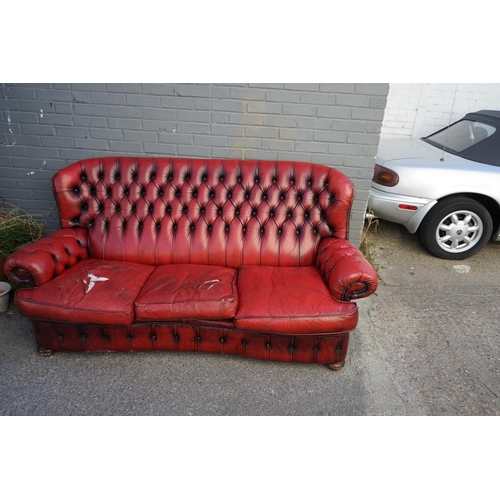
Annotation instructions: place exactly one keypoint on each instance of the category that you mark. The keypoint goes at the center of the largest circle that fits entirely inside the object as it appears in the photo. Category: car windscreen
(471, 139)
(461, 135)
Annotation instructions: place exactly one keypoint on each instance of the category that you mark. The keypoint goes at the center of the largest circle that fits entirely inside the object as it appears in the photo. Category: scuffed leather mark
(92, 281)
(210, 284)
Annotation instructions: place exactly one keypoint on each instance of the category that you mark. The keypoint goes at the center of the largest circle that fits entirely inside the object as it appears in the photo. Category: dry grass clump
(371, 224)
(17, 228)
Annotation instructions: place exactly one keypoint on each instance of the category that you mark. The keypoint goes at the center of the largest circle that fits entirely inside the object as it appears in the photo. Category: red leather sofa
(238, 257)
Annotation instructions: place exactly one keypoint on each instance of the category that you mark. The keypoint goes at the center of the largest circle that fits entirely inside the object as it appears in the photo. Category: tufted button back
(218, 212)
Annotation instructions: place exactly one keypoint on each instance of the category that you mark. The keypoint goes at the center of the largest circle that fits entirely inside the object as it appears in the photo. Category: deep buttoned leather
(218, 212)
(43, 260)
(281, 226)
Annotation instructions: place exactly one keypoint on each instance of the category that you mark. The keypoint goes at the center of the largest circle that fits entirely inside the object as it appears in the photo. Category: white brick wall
(417, 109)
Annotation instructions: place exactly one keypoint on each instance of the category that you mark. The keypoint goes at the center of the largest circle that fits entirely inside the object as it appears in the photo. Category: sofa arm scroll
(345, 270)
(44, 259)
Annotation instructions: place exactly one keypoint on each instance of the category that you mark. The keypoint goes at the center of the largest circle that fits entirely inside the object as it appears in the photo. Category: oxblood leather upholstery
(274, 298)
(188, 291)
(71, 298)
(226, 253)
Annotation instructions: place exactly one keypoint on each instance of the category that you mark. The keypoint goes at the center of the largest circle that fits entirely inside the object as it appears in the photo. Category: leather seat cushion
(94, 291)
(188, 291)
(290, 300)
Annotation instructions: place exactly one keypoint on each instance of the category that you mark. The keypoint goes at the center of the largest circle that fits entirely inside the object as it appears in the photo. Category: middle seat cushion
(188, 291)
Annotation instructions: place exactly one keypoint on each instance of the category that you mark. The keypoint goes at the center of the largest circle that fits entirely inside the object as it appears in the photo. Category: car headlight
(385, 176)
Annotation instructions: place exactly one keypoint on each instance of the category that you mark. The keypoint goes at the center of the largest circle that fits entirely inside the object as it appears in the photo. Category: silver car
(445, 185)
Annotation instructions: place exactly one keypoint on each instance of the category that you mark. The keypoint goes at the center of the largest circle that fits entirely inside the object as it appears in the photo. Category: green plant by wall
(17, 228)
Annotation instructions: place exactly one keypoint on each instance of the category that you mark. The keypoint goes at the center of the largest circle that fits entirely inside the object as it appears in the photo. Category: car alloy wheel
(456, 228)
(459, 231)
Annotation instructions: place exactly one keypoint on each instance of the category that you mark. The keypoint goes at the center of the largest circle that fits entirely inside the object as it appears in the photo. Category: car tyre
(456, 228)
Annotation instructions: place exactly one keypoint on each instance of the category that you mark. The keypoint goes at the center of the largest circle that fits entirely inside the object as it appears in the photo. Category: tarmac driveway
(435, 324)
(427, 343)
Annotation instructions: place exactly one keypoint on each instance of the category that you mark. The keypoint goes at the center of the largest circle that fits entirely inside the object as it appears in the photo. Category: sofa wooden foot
(45, 352)
(336, 366)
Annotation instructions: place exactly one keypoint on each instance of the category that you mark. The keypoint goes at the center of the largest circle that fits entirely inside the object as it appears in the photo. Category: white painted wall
(417, 109)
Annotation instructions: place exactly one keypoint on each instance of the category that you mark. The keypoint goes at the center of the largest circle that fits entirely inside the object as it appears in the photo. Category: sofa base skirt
(323, 348)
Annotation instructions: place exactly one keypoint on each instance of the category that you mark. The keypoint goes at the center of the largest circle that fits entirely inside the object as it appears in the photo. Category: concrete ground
(427, 343)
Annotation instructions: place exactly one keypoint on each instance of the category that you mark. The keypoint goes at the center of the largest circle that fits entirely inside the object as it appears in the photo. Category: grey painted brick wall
(44, 127)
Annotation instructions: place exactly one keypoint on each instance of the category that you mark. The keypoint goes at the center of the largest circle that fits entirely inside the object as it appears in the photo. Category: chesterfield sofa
(250, 258)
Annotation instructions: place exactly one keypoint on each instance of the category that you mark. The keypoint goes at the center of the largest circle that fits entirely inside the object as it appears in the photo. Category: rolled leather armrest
(46, 258)
(345, 270)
